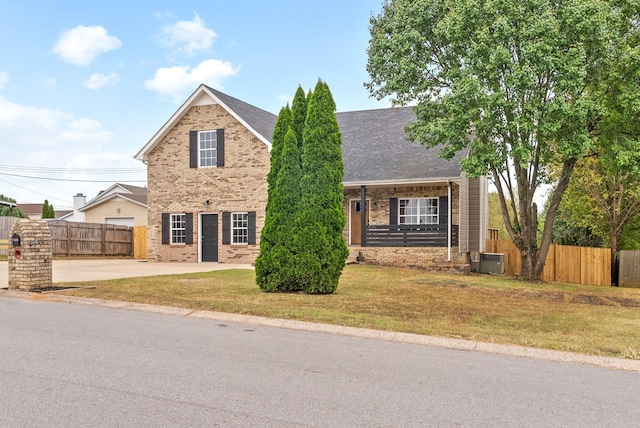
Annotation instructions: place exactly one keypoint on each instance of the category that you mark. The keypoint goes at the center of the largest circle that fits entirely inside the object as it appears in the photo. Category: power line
(48, 170)
(33, 191)
(68, 179)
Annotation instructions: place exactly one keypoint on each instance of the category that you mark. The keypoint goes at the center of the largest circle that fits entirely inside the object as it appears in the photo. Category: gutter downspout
(449, 214)
(363, 214)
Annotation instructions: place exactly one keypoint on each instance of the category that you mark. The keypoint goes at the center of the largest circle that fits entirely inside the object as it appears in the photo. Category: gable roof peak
(259, 122)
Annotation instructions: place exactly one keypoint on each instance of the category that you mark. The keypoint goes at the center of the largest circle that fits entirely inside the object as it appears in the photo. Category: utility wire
(33, 191)
(47, 170)
(69, 179)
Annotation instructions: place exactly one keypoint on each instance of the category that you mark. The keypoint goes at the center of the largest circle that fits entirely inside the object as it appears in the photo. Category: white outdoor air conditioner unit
(492, 263)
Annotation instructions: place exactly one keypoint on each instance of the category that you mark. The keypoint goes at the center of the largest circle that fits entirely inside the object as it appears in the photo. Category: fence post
(103, 239)
(68, 238)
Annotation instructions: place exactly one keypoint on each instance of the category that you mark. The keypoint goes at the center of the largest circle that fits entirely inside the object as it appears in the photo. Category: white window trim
(172, 236)
(214, 149)
(234, 228)
(418, 215)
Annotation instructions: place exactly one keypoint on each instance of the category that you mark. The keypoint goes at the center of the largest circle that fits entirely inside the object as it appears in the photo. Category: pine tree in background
(46, 210)
(277, 267)
(321, 218)
(52, 212)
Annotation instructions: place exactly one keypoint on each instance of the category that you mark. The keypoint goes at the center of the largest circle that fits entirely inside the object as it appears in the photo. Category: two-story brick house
(207, 190)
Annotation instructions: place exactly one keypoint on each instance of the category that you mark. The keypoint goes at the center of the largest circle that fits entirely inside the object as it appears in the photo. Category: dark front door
(209, 241)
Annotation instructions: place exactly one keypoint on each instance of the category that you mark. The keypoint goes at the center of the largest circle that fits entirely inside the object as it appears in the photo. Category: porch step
(353, 256)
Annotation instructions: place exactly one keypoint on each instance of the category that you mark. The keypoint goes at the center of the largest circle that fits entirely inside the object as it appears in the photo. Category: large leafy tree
(515, 82)
(604, 193)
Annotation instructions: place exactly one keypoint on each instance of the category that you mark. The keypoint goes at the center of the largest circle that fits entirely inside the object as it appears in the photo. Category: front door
(209, 241)
(356, 222)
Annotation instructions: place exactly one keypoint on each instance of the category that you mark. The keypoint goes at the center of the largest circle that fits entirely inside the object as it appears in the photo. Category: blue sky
(85, 85)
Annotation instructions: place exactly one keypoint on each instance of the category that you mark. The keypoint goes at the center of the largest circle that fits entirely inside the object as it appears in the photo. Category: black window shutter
(252, 228)
(188, 228)
(226, 228)
(220, 147)
(393, 211)
(193, 149)
(443, 210)
(166, 228)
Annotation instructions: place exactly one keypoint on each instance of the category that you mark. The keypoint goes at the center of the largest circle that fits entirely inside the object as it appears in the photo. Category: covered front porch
(406, 225)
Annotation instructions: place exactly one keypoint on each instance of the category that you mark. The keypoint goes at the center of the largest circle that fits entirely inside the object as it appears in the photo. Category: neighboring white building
(120, 204)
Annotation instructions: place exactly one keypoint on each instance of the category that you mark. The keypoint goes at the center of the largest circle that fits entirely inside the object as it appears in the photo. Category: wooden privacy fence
(576, 265)
(140, 242)
(90, 239)
(629, 270)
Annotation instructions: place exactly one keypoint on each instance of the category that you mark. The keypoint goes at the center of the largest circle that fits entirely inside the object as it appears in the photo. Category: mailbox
(30, 259)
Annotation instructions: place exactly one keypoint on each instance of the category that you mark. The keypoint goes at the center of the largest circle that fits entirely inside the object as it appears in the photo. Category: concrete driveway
(99, 269)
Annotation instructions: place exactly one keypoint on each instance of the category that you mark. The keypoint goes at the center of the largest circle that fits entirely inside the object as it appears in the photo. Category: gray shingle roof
(374, 144)
(375, 149)
(260, 120)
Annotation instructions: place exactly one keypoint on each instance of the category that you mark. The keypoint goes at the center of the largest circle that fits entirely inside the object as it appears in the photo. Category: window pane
(240, 228)
(178, 232)
(208, 148)
(418, 211)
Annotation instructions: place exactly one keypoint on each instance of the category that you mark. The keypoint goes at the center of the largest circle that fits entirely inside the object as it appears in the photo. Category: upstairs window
(418, 211)
(208, 148)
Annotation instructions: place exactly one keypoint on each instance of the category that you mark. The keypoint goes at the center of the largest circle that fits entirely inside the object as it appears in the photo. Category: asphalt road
(74, 365)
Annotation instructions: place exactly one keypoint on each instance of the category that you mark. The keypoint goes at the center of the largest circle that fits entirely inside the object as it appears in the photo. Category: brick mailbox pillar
(30, 255)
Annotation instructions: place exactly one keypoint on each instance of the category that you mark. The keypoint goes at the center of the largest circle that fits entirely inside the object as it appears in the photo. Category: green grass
(588, 319)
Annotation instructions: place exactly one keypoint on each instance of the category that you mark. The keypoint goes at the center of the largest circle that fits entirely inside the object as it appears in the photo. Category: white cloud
(4, 79)
(41, 137)
(81, 44)
(42, 128)
(188, 37)
(99, 80)
(176, 81)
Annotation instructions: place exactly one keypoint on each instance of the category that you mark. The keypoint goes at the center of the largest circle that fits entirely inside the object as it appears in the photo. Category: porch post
(449, 212)
(363, 214)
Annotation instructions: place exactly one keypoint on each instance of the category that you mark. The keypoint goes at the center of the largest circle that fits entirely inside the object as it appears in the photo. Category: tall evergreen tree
(46, 212)
(277, 265)
(321, 218)
(299, 112)
(284, 122)
(267, 265)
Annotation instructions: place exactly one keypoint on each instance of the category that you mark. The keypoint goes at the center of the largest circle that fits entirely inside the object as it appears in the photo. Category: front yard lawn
(579, 318)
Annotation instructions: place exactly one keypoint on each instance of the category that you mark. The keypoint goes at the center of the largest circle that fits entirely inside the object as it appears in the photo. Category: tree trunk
(556, 197)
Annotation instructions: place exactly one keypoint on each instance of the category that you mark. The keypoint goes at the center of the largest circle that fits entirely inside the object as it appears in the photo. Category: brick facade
(429, 259)
(239, 186)
(30, 262)
(378, 198)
